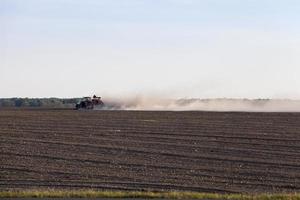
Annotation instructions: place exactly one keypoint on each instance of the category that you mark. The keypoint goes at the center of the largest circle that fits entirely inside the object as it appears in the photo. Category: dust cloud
(195, 104)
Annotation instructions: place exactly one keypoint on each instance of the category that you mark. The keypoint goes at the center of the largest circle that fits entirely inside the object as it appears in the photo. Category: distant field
(214, 152)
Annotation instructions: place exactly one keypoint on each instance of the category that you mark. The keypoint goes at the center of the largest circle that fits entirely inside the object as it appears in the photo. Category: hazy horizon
(170, 48)
(156, 103)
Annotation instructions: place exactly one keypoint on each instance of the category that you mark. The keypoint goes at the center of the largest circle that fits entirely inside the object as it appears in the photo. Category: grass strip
(137, 194)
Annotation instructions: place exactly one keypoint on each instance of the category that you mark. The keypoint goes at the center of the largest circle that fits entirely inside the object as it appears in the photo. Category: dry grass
(132, 194)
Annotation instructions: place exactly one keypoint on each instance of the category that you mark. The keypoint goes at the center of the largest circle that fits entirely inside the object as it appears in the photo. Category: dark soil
(145, 150)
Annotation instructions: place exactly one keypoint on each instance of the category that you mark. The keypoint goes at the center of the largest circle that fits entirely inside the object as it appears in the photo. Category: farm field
(218, 152)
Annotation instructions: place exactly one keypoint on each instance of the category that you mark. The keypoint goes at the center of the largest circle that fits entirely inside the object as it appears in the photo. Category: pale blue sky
(176, 48)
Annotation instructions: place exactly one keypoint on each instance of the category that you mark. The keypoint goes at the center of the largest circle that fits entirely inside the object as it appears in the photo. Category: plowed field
(145, 150)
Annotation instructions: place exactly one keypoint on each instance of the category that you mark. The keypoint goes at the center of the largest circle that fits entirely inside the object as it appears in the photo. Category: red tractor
(90, 103)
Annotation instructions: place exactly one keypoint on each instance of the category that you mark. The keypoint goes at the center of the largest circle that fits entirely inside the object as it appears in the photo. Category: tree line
(39, 102)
